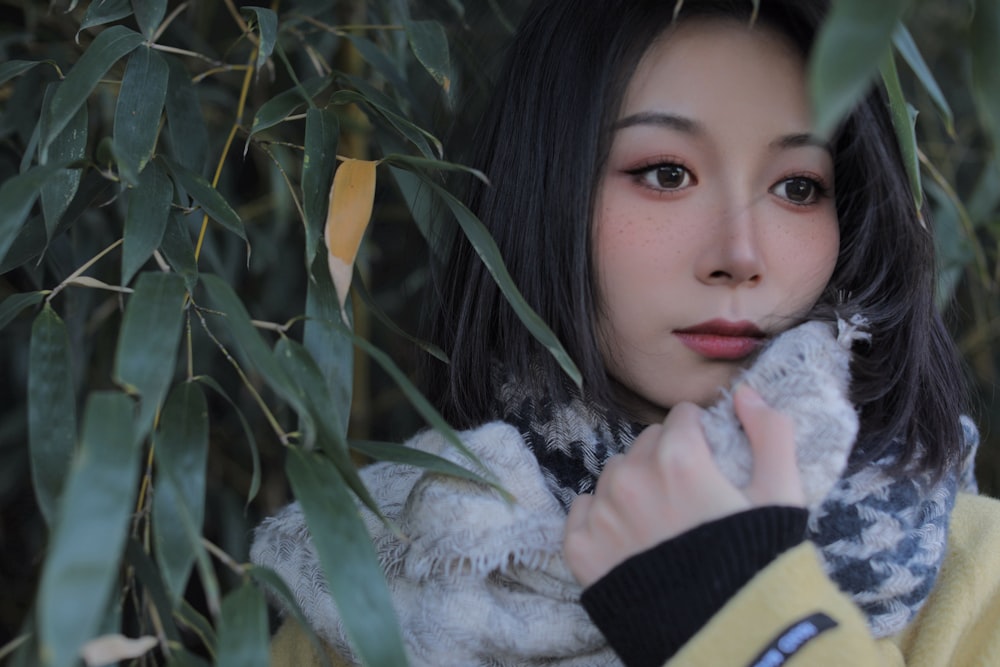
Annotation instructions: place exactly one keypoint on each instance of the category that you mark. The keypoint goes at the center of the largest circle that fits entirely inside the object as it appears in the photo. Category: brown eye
(798, 190)
(665, 177)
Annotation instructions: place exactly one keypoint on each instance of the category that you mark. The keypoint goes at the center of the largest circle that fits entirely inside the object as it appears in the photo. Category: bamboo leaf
(17, 196)
(12, 306)
(412, 162)
(146, 220)
(243, 632)
(281, 106)
(985, 46)
(51, 409)
(409, 130)
(904, 117)
(348, 559)
(280, 589)
(332, 350)
(181, 457)
(319, 162)
(149, 14)
(148, 574)
(13, 68)
(107, 649)
(487, 250)
(267, 28)
(846, 56)
(247, 431)
(186, 132)
(903, 41)
(147, 345)
(391, 451)
(352, 197)
(202, 192)
(90, 529)
(104, 11)
(179, 250)
(254, 352)
(430, 45)
(58, 191)
(107, 48)
(362, 290)
(137, 115)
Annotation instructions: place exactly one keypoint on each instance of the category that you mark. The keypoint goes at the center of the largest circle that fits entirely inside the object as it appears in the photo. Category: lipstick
(722, 339)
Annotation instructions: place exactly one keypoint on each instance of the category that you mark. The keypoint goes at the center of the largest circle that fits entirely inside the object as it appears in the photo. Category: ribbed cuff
(651, 604)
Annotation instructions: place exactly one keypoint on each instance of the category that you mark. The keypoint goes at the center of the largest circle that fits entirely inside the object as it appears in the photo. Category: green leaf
(181, 459)
(904, 117)
(282, 105)
(413, 162)
(358, 284)
(278, 588)
(907, 48)
(332, 350)
(267, 28)
(107, 48)
(51, 409)
(253, 351)
(17, 196)
(12, 306)
(348, 559)
(149, 14)
(985, 46)
(104, 11)
(243, 632)
(186, 132)
(247, 431)
(137, 116)
(58, 191)
(388, 111)
(419, 402)
(90, 530)
(846, 56)
(202, 192)
(430, 45)
(391, 451)
(147, 345)
(146, 220)
(179, 250)
(419, 201)
(487, 250)
(13, 68)
(149, 576)
(318, 164)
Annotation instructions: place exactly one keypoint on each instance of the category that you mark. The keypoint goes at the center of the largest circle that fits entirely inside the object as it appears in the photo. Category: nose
(732, 253)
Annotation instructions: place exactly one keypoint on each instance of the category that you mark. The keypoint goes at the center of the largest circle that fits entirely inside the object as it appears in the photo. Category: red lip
(722, 339)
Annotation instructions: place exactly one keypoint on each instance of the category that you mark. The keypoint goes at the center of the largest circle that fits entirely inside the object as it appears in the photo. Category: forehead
(717, 62)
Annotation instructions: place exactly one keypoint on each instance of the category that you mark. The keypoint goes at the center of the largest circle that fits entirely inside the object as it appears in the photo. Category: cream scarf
(480, 581)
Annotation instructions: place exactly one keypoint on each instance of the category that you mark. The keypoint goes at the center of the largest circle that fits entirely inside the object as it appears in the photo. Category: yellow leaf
(352, 196)
(110, 649)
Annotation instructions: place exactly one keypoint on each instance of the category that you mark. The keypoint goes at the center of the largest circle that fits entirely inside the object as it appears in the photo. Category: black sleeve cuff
(651, 604)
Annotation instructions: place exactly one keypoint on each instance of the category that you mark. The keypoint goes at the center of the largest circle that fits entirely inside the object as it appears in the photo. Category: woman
(662, 202)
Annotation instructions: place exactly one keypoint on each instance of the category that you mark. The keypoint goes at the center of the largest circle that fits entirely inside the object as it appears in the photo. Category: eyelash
(640, 173)
(643, 171)
(821, 190)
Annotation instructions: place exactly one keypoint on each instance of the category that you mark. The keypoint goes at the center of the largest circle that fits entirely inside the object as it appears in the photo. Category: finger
(646, 443)
(578, 512)
(683, 440)
(775, 478)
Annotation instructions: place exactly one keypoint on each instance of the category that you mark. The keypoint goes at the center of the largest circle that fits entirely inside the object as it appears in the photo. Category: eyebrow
(661, 119)
(800, 139)
(691, 126)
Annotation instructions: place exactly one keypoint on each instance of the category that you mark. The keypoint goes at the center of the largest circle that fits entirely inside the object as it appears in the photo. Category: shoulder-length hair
(543, 142)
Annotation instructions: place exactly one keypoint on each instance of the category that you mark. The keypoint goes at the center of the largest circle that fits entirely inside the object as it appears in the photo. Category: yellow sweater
(959, 626)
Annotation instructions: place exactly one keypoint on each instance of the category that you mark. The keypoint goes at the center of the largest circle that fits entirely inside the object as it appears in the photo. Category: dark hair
(543, 142)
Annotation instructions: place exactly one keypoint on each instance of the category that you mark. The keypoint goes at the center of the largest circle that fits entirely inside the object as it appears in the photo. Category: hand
(667, 483)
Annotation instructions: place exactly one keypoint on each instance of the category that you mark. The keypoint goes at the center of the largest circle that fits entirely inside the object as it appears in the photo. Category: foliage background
(87, 371)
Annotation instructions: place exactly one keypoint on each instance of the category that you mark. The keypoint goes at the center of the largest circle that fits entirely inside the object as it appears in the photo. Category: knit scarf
(478, 580)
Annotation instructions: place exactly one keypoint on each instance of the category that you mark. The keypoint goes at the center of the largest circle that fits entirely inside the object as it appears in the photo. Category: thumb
(775, 479)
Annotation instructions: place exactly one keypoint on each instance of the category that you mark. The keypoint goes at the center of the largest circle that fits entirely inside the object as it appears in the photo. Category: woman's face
(715, 226)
